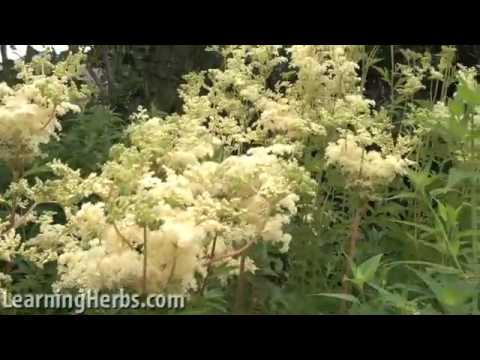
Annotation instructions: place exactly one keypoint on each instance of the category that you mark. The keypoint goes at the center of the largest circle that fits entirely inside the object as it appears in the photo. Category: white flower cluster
(29, 111)
(9, 243)
(280, 118)
(325, 71)
(419, 68)
(327, 93)
(161, 219)
(240, 107)
(411, 81)
(194, 191)
(364, 169)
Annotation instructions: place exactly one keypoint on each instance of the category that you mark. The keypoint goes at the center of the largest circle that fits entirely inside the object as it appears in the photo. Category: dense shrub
(279, 187)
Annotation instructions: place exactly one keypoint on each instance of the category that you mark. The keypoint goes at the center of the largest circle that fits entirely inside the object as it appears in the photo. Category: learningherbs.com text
(81, 302)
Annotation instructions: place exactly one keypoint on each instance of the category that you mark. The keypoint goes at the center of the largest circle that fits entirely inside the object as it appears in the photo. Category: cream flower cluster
(325, 71)
(186, 187)
(9, 243)
(364, 169)
(177, 141)
(279, 117)
(192, 191)
(239, 105)
(242, 105)
(410, 77)
(29, 111)
(328, 90)
(161, 219)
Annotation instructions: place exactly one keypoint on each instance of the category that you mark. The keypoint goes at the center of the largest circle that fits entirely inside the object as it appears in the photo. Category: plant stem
(392, 80)
(145, 238)
(212, 254)
(13, 211)
(355, 235)
(121, 236)
(238, 252)
(367, 62)
(415, 215)
(474, 191)
(5, 63)
(174, 265)
(240, 294)
(108, 70)
(435, 93)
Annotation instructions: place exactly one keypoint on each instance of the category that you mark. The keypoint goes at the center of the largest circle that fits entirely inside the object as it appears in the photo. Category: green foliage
(426, 225)
(85, 141)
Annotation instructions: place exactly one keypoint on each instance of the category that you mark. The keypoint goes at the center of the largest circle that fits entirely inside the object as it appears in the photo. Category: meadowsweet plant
(30, 115)
(178, 214)
(238, 111)
(279, 182)
(30, 111)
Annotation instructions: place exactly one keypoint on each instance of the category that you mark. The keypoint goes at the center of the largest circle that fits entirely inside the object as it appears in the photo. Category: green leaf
(465, 93)
(437, 267)
(442, 211)
(467, 233)
(441, 191)
(440, 247)
(345, 297)
(383, 72)
(425, 228)
(403, 195)
(449, 291)
(41, 169)
(457, 176)
(456, 107)
(366, 271)
(394, 299)
(456, 129)
(421, 179)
